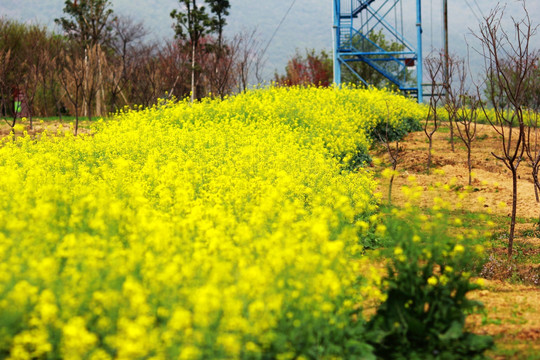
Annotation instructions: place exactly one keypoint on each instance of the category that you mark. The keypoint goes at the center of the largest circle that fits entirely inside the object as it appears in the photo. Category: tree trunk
(452, 135)
(429, 155)
(514, 210)
(76, 103)
(98, 94)
(76, 120)
(394, 166)
(536, 182)
(193, 95)
(44, 100)
(469, 164)
(90, 108)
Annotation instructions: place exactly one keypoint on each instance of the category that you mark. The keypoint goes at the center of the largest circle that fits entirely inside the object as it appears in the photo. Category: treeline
(314, 68)
(102, 62)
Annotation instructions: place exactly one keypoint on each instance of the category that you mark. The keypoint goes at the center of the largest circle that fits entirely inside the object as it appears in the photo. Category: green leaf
(453, 333)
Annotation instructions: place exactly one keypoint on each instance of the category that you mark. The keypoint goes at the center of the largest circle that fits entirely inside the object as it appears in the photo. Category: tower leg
(337, 64)
(337, 70)
(419, 62)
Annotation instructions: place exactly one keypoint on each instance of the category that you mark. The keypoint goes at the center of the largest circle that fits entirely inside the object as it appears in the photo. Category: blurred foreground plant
(424, 314)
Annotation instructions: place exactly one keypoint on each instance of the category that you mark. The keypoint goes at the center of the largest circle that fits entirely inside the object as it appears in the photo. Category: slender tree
(221, 66)
(462, 107)
(193, 23)
(90, 24)
(33, 66)
(249, 61)
(6, 86)
(72, 78)
(128, 39)
(532, 137)
(13, 49)
(220, 9)
(434, 68)
(148, 76)
(391, 143)
(509, 63)
(222, 55)
(466, 121)
(51, 73)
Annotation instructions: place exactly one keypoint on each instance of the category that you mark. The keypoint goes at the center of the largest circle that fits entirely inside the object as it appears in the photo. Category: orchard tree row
(507, 98)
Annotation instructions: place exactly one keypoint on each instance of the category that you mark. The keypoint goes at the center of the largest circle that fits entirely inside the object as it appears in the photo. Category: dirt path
(52, 127)
(492, 181)
(511, 317)
(511, 297)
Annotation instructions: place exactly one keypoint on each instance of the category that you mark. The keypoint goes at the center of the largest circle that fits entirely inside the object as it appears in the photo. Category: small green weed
(482, 137)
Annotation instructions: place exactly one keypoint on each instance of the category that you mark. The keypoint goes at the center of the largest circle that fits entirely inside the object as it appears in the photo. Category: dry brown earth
(512, 309)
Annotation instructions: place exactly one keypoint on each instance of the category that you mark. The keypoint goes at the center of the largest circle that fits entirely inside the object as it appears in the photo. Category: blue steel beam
(419, 68)
(362, 6)
(346, 13)
(387, 26)
(337, 62)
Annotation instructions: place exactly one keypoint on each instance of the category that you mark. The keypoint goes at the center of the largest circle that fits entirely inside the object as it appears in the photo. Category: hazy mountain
(307, 25)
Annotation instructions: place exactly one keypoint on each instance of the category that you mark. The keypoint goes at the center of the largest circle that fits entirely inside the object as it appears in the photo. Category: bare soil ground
(512, 293)
(52, 127)
(492, 180)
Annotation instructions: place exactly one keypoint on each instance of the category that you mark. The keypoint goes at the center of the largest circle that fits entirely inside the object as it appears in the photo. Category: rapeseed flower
(190, 230)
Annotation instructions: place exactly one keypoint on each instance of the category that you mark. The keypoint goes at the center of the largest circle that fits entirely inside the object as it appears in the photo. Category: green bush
(394, 132)
(424, 314)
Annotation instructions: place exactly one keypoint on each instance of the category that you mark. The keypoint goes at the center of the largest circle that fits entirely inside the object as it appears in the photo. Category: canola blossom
(225, 229)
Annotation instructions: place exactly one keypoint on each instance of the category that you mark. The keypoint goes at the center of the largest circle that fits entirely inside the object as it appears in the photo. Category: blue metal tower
(354, 23)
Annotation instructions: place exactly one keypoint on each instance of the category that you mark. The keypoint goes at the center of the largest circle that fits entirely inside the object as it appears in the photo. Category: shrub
(428, 279)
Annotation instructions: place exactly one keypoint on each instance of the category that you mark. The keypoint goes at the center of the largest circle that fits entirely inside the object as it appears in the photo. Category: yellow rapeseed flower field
(224, 229)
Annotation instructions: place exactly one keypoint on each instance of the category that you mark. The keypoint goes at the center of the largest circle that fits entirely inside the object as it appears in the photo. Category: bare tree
(220, 68)
(52, 68)
(147, 76)
(33, 67)
(7, 70)
(532, 138)
(12, 35)
(126, 42)
(175, 67)
(466, 121)
(462, 107)
(434, 67)
(509, 62)
(450, 62)
(532, 148)
(249, 62)
(72, 78)
(93, 91)
(392, 145)
(89, 23)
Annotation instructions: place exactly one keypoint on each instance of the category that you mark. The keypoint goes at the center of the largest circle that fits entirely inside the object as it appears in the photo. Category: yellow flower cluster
(211, 230)
(487, 115)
